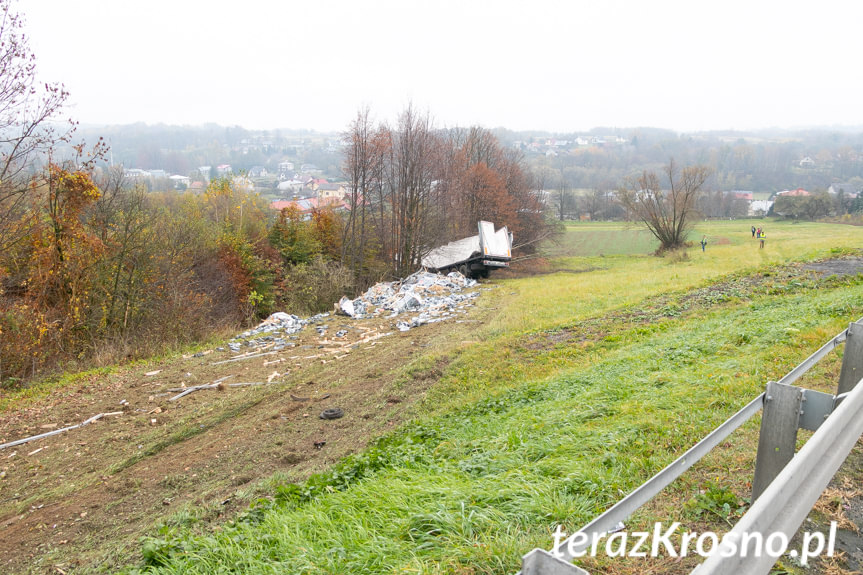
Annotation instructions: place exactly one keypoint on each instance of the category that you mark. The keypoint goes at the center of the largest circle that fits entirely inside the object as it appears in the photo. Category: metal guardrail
(783, 506)
(777, 504)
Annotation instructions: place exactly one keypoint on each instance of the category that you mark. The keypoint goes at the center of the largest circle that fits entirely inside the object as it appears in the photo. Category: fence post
(852, 360)
(778, 436)
(541, 562)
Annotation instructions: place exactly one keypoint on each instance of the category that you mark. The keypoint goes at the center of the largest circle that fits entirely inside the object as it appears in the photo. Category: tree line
(413, 187)
(94, 269)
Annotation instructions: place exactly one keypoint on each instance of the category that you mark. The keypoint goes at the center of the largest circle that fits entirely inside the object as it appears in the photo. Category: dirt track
(91, 492)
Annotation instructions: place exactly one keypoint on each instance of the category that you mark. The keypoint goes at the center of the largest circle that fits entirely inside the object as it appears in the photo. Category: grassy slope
(526, 431)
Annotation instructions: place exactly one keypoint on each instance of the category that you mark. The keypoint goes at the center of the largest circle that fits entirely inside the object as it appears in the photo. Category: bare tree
(413, 170)
(563, 199)
(27, 112)
(666, 211)
(363, 166)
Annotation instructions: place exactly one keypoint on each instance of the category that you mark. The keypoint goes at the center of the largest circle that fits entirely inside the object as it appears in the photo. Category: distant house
(799, 192)
(759, 208)
(850, 190)
(258, 172)
(180, 182)
(136, 174)
(304, 206)
(286, 169)
(291, 186)
(740, 195)
(807, 162)
(242, 183)
(331, 194)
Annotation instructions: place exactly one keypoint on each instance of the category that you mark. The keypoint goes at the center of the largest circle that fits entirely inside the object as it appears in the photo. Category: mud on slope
(78, 501)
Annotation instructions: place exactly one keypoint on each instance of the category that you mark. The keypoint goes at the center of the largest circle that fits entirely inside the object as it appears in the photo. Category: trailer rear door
(494, 244)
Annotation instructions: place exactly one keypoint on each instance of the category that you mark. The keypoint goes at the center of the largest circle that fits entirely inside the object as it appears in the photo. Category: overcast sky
(550, 65)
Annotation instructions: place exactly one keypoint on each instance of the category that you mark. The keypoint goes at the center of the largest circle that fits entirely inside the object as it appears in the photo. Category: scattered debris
(215, 385)
(296, 398)
(320, 444)
(56, 431)
(188, 390)
(332, 413)
(241, 358)
(157, 372)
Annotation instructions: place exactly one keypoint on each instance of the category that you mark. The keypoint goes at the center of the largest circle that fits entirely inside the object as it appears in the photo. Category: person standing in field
(761, 236)
(753, 231)
(703, 243)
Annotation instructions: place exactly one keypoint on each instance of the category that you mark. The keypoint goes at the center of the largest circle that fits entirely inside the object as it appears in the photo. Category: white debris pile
(433, 297)
(268, 331)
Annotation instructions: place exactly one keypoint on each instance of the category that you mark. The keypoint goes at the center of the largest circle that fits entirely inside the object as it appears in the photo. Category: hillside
(554, 395)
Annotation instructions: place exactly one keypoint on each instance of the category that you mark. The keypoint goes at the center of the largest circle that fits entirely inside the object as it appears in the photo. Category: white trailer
(474, 256)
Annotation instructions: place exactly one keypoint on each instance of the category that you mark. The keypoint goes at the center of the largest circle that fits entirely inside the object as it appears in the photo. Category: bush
(314, 287)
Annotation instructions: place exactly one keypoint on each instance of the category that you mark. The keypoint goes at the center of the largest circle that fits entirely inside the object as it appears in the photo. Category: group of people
(759, 233)
(756, 233)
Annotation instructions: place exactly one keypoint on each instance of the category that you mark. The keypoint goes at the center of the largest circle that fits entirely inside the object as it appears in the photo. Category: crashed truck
(475, 256)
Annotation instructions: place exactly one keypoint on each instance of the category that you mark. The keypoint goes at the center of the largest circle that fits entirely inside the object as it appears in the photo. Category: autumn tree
(125, 221)
(294, 238)
(665, 205)
(29, 112)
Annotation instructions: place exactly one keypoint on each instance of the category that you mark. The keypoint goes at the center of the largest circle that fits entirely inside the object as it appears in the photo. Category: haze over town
(548, 65)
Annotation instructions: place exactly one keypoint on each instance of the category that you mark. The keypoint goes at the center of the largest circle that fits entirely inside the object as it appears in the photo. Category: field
(463, 444)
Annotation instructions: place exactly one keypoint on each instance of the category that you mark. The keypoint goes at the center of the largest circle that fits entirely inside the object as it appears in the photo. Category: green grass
(528, 429)
(482, 485)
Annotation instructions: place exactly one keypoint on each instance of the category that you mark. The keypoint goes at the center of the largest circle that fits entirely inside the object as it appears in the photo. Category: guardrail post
(541, 562)
(852, 360)
(778, 436)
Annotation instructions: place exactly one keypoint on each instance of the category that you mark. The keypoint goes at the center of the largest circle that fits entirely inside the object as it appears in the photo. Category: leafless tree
(366, 146)
(667, 210)
(563, 199)
(413, 168)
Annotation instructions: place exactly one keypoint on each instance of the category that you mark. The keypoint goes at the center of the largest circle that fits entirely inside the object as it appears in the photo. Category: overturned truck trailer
(474, 256)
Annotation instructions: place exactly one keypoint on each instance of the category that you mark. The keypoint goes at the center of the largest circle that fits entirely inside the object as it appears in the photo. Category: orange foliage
(327, 230)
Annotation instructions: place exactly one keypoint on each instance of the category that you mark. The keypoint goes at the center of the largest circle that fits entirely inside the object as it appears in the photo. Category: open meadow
(464, 444)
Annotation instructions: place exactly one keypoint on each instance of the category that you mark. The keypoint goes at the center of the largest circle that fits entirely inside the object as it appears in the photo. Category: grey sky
(535, 64)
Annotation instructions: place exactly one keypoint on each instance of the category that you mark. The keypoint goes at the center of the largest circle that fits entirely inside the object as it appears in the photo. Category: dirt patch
(840, 266)
(81, 499)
